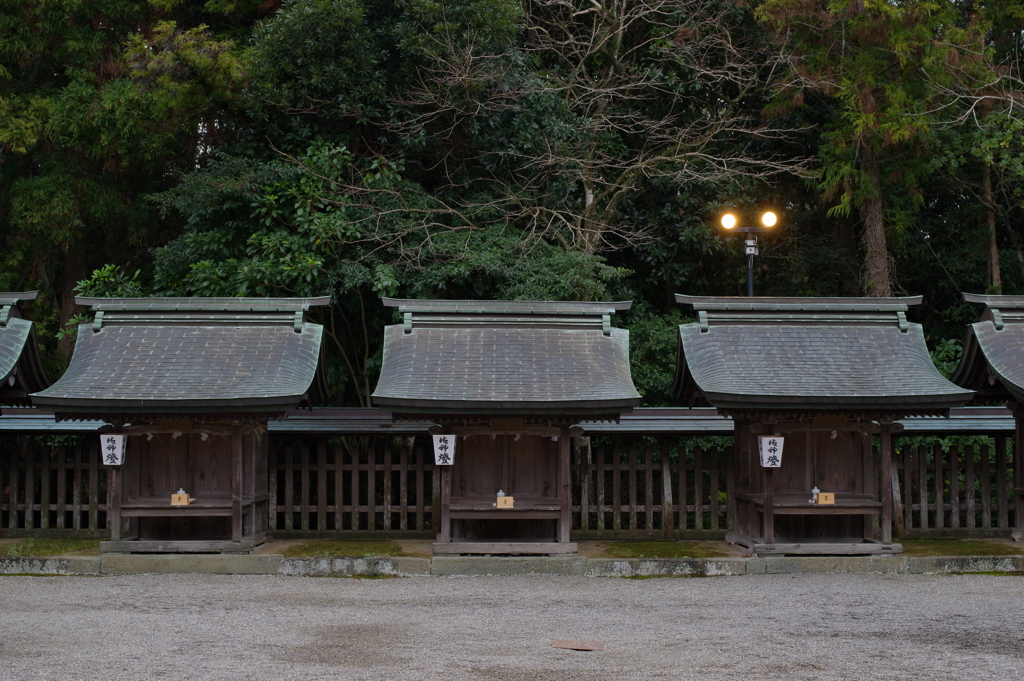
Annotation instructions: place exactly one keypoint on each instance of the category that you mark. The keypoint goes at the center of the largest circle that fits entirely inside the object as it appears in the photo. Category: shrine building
(820, 381)
(507, 382)
(992, 363)
(21, 367)
(190, 384)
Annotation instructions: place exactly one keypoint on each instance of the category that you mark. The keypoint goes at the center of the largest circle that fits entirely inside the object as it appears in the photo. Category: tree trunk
(74, 271)
(995, 276)
(589, 237)
(842, 230)
(877, 272)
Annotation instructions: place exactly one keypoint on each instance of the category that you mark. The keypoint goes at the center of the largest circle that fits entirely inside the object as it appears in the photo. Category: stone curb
(947, 565)
(355, 567)
(272, 564)
(451, 566)
(211, 564)
(850, 565)
(50, 565)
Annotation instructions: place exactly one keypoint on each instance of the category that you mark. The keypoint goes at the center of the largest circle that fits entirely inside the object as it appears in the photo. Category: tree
(100, 104)
(296, 227)
(894, 72)
(596, 102)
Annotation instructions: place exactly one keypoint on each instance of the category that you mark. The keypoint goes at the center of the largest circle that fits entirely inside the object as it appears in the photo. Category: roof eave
(505, 407)
(973, 370)
(838, 403)
(59, 405)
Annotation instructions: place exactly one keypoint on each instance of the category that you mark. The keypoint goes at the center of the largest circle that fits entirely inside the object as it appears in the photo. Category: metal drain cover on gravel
(580, 645)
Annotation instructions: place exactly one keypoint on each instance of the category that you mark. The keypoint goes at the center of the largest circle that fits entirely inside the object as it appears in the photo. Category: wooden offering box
(775, 513)
(218, 513)
(526, 467)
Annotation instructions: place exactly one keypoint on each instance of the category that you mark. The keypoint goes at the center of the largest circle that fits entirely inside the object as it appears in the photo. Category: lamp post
(768, 220)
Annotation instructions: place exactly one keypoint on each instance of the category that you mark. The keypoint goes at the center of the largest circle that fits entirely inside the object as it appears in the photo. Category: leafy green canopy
(491, 149)
(327, 222)
(893, 72)
(100, 104)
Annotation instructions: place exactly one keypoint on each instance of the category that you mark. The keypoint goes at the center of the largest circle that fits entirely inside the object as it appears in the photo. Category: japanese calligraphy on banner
(771, 450)
(444, 450)
(112, 446)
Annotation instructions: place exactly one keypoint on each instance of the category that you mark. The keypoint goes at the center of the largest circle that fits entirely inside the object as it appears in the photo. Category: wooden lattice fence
(52, 487)
(639, 487)
(968, 488)
(328, 484)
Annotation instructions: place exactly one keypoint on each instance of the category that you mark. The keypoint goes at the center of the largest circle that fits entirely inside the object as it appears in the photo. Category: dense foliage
(525, 149)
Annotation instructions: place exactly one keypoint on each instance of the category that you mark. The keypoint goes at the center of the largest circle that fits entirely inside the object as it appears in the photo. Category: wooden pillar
(115, 480)
(886, 440)
(1018, 475)
(667, 516)
(236, 483)
(870, 488)
(767, 487)
(445, 533)
(564, 486)
(584, 450)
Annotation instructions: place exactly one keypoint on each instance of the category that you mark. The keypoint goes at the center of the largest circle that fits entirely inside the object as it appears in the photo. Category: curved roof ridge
(546, 307)
(170, 362)
(200, 304)
(780, 303)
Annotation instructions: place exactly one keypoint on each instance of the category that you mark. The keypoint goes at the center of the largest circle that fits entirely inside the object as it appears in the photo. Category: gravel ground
(752, 627)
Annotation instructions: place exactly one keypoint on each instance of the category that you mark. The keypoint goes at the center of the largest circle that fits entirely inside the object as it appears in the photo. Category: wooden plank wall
(627, 487)
(47, 489)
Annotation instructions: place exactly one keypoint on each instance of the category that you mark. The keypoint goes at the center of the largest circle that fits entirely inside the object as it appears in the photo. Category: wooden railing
(969, 488)
(52, 488)
(624, 487)
(316, 485)
(641, 488)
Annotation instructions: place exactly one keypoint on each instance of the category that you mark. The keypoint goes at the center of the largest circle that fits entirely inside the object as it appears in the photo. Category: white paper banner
(444, 450)
(112, 446)
(771, 450)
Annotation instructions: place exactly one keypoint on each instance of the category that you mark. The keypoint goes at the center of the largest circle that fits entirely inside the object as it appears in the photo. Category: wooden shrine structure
(21, 367)
(509, 380)
(819, 378)
(993, 364)
(192, 382)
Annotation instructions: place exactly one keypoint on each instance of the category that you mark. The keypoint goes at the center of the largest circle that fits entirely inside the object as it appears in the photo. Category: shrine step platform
(816, 548)
(245, 545)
